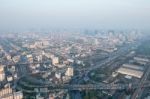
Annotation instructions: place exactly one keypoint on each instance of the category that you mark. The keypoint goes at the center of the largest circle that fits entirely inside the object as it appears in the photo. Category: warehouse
(135, 67)
(131, 72)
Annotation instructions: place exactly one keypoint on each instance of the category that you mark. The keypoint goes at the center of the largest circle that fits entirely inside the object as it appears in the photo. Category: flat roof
(131, 66)
(131, 72)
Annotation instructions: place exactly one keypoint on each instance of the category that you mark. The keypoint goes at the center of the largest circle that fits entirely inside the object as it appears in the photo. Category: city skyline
(74, 49)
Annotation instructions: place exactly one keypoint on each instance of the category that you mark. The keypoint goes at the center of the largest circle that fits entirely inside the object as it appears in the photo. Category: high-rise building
(2, 73)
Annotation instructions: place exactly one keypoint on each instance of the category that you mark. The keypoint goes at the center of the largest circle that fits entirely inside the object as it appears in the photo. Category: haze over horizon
(118, 14)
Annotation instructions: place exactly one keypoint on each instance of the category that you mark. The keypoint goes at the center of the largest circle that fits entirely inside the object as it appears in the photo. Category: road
(23, 70)
(31, 83)
(139, 91)
(112, 57)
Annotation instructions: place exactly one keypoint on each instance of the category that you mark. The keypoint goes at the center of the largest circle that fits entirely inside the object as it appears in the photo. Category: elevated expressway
(31, 85)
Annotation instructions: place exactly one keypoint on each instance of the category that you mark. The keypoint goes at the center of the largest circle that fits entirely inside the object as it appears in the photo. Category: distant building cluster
(61, 58)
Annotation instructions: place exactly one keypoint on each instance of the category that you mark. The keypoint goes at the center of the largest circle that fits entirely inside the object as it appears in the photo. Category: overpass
(32, 85)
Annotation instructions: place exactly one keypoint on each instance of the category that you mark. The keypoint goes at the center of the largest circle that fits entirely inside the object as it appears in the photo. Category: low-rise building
(141, 60)
(58, 75)
(135, 67)
(5, 91)
(131, 72)
(9, 78)
(55, 60)
(14, 95)
(69, 71)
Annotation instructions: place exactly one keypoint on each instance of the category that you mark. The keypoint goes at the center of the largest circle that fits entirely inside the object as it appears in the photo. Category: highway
(23, 70)
(139, 91)
(112, 57)
(28, 82)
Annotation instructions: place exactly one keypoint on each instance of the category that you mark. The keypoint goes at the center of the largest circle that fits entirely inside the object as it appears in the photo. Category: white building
(2, 73)
(16, 59)
(15, 76)
(30, 58)
(58, 75)
(55, 60)
(69, 71)
(70, 60)
(9, 78)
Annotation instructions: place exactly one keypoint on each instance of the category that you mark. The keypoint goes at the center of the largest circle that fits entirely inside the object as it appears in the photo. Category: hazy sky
(25, 14)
